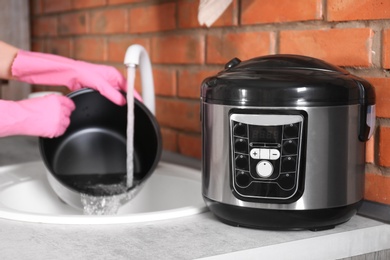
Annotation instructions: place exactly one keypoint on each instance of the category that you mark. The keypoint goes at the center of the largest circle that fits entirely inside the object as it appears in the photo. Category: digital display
(265, 134)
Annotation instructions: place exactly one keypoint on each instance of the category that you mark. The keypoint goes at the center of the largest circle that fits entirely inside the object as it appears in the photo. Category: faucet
(136, 55)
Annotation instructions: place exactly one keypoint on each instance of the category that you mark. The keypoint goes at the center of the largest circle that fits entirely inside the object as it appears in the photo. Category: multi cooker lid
(285, 80)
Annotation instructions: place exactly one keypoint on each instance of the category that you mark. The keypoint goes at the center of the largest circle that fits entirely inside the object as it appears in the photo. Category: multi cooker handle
(367, 111)
(367, 122)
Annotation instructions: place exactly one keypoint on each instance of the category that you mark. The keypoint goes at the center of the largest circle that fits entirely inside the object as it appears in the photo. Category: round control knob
(290, 147)
(242, 162)
(288, 164)
(240, 129)
(241, 145)
(264, 169)
(290, 131)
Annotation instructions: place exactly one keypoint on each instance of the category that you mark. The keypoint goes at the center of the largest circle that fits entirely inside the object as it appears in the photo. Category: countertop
(199, 236)
(194, 237)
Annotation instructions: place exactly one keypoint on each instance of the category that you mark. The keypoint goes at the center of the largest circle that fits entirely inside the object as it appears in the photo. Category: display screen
(265, 134)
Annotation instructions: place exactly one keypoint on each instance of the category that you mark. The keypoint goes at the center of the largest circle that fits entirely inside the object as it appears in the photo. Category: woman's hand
(47, 116)
(49, 69)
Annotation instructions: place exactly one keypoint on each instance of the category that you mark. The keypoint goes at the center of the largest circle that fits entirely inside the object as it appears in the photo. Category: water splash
(108, 204)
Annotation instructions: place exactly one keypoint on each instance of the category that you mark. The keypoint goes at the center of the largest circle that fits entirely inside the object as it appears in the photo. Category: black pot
(93, 149)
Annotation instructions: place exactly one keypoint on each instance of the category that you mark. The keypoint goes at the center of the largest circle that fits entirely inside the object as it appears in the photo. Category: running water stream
(130, 124)
(110, 204)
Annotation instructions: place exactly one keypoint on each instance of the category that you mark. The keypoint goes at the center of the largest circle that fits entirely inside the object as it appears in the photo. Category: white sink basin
(172, 191)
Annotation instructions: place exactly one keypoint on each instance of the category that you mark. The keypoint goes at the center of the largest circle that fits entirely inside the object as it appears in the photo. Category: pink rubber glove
(46, 116)
(49, 69)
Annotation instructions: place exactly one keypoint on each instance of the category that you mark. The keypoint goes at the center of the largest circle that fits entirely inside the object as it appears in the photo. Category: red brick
(278, 11)
(190, 145)
(51, 6)
(108, 21)
(370, 150)
(36, 7)
(190, 82)
(185, 49)
(90, 49)
(60, 46)
(117, 47)
(344, 47)
(38, 45)
(178, 114)
(341, 10)
(116, 2)
(152, 18)
(223, 47)
(44, 26)
(386, 49)
(382, 91)
(188, 15)
(169, 138)
(73, 23)
(79, 4)
(377, 188)
(165, 82)
(121, 68)
(384, 146)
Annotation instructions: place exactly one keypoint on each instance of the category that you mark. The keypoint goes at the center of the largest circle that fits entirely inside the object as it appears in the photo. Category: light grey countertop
(198, 236)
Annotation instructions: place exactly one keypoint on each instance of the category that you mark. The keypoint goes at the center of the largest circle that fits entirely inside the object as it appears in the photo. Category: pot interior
(93, 149)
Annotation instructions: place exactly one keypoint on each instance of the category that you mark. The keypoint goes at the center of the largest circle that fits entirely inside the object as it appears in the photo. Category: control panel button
(287, 181)
(291, 131)
(290, 147)
(241, 145)
(274, 154)
(243, 179)
(264, 154)
(264, 169)
(240, 129)
(255, 153)
(288, 164)
(242, 162)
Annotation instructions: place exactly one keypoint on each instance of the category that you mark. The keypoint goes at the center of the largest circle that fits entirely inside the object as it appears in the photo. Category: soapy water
(110, 204)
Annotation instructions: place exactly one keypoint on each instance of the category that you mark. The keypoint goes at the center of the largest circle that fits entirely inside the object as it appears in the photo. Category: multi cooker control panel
(266, 155)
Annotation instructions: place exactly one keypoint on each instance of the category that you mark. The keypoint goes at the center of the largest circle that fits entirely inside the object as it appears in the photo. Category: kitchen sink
(172, 191)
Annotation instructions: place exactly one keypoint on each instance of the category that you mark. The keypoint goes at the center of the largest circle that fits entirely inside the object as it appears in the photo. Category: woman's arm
(7, 56)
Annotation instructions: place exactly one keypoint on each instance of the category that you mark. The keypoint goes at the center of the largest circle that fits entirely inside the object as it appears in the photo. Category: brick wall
(354, 34)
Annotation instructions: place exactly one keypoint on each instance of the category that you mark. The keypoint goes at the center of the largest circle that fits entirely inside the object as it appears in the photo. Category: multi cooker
(283, 142)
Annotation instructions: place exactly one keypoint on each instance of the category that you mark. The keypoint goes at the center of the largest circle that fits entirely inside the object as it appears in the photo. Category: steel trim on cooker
(334, 175)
